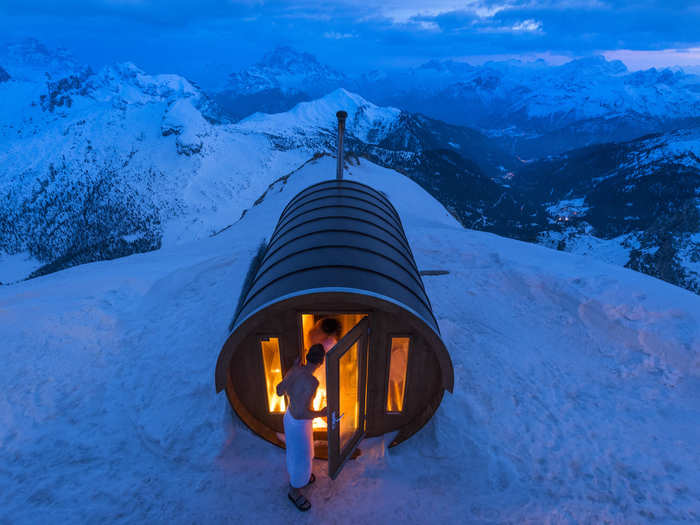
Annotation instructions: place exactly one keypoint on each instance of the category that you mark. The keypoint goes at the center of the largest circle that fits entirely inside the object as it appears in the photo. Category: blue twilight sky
(204, 38)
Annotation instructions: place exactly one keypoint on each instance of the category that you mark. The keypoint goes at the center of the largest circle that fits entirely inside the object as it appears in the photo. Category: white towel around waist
(299, 437)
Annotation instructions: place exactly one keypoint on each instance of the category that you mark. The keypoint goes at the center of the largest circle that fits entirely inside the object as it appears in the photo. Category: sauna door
(346, 379)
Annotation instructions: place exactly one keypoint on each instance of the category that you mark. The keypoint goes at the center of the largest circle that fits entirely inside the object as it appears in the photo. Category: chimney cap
(342, 115)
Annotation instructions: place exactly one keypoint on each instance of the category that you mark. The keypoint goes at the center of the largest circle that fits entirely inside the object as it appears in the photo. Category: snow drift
(575, 397)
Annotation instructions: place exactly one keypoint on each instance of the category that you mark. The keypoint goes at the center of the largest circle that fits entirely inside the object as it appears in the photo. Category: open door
(346, 380)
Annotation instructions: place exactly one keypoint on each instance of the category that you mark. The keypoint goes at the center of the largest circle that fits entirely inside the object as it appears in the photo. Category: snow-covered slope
(576, 387)
(102, 164)
(681, 147)
(635, 203)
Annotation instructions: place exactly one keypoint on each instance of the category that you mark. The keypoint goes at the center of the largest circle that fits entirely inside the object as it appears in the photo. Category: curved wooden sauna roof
(339, 236)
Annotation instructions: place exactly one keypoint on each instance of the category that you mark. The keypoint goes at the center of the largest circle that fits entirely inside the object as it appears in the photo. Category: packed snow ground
(576, 389)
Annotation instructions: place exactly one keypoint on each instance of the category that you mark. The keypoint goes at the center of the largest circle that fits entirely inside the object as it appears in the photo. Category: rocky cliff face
(280, 80)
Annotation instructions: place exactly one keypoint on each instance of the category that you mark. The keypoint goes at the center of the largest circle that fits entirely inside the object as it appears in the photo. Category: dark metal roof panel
(333, 185)
(326, 232)
(350, 216)
(348, 193)
(339, 241)
(339, 234)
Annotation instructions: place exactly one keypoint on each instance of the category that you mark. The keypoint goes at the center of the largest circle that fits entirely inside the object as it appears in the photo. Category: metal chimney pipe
(342, 115)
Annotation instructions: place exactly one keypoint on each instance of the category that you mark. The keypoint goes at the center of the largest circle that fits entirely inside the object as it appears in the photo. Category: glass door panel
(346, 379)
(312, 332)
(349, 399)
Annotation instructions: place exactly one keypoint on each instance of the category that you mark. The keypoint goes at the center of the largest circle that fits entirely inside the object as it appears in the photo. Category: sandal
(300, 502)
(311, 479)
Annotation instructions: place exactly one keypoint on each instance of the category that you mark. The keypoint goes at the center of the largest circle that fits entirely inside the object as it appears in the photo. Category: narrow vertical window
(398, 361)
(273, 373)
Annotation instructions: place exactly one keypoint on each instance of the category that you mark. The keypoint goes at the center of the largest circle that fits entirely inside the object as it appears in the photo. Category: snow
(680, 147)
(576, 388)
(567, 208)
(689, 255)
(510, 92)
(185, 121)
(30, 60)
(581, 241)
(288, 70)
(363, 117)
(153, 140)
(16, 266)
(149, 132)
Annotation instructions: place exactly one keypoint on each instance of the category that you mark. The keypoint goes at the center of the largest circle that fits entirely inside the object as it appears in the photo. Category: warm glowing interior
(319, 401)
(398, 361)
(311, 337)
(273, 373)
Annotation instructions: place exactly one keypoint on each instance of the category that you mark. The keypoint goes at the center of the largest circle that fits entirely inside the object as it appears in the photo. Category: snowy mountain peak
(135, 85)
(596, 64)
(584, 100)
(366, 121)
(344, 97)
(288, 70)
(653, 77)
(288, 58)
(445, 67)
(29, 59)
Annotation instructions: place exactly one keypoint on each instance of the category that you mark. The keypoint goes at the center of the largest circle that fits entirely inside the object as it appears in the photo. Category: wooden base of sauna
(321, 451)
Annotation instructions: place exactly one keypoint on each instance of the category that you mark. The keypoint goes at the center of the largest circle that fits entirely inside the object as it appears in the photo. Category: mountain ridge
(526, 104)
(107, 163)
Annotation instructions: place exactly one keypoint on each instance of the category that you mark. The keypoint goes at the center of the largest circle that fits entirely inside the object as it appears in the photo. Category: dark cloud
(184, 35)
(166, 12)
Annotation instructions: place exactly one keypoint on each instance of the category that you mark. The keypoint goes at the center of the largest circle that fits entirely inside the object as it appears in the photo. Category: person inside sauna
(326, 332)
(299, 385)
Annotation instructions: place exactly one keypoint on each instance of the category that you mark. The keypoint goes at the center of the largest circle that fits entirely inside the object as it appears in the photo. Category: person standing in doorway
(299, 385)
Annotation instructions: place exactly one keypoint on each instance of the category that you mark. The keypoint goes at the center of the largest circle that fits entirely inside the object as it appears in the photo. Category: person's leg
(298, 465)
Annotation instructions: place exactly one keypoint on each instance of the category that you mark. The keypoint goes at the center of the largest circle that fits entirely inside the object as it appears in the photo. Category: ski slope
(576, 389)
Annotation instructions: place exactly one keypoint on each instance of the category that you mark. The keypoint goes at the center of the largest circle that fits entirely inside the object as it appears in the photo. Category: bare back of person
(300, 386)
